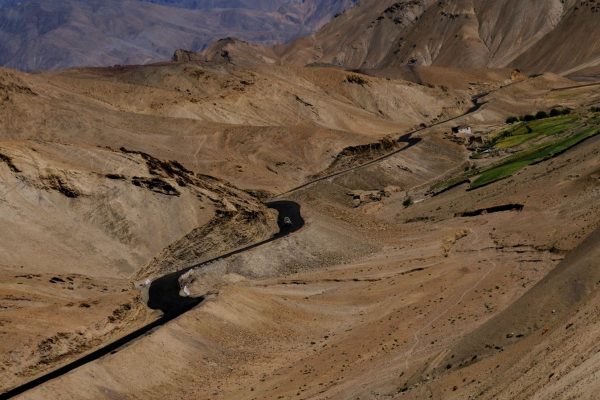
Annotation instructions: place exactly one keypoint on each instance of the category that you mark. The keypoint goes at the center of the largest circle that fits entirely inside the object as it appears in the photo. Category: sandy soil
(382, 301)
(111, 176)
(82, 225)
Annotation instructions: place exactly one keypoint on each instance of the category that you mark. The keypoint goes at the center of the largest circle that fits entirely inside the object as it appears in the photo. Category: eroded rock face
(96, 217)
(104, 194)
(186, 56)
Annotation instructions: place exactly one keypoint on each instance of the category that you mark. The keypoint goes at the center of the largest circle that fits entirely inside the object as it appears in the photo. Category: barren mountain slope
(375, 299)
(42, 34)
(98, 173)
(261, 128)
(433, 264)
(569, 47)
(538, 36)
(78, 223)
(83, 221)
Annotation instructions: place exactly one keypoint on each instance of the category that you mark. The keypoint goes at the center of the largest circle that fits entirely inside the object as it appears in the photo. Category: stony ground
(374, 298)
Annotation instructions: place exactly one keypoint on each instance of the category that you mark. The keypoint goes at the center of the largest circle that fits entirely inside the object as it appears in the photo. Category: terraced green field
(514, 163)
(525, 131)
(559, 134)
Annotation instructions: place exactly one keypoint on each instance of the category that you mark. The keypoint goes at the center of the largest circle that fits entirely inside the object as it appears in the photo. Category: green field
(525, 131)
(444, 185)
(559, 134)
(514, 163)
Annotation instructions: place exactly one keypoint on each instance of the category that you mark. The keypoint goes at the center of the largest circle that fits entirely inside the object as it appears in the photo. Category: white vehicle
(287, 221)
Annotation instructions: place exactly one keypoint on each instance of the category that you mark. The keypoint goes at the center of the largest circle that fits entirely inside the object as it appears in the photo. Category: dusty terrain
(306, 306)
(433, 263)
(260, 128)
(144, 163)
(72, 272)
(383, 301)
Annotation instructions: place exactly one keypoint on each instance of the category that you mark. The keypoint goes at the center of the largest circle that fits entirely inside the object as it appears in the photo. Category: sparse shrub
(527, 118)
(541, 115)
(407, 202)
(512, 120)
(529, 130)
(554, 112)
(595, 109)
(566, 111)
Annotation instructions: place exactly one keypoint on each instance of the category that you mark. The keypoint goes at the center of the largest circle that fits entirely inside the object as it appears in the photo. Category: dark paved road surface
(164, 292)
(164, 295)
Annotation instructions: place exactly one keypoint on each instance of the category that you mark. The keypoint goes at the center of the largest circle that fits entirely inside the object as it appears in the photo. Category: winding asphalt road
(164, 295)
(164, 292)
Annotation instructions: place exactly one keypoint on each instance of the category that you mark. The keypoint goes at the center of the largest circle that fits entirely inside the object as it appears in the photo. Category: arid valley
(403, 204)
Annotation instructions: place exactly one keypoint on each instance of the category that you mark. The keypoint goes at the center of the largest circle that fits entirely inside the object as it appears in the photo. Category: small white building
(463, 130)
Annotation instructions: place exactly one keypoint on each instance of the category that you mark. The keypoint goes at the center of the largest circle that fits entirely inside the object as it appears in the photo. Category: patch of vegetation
(539, 115)
(514, 163)
(527, 118)
(444, 186)
(595, 120)
(408, 202)
(523, 132)
(556, 112)
(595, 109)
(463, 178)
